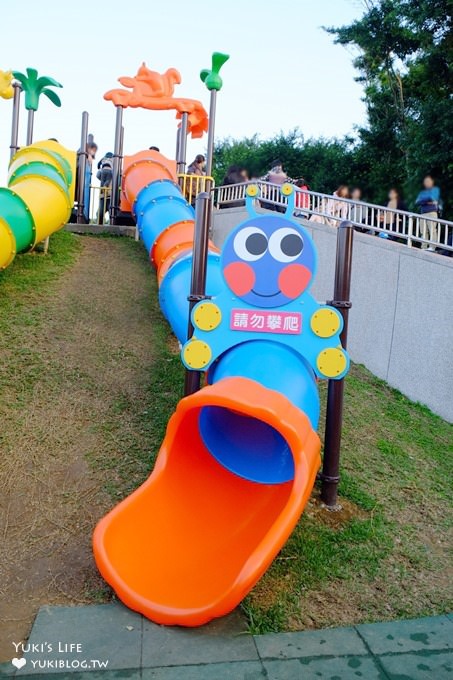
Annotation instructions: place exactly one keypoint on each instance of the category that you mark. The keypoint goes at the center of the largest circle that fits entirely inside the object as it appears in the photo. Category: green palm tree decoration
(33, 87)
(211, 78)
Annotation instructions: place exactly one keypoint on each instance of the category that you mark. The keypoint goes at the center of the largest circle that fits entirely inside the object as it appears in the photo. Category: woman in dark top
(235, 175)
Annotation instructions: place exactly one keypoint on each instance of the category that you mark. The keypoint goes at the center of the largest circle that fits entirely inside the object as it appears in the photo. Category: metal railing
(99, 204)
(399, 225)
(98, 213)
(192, 185)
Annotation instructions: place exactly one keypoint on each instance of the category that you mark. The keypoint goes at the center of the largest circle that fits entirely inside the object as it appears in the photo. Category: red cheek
(293, 280)
(240, 277)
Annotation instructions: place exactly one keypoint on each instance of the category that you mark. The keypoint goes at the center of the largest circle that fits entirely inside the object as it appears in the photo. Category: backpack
(107, 162)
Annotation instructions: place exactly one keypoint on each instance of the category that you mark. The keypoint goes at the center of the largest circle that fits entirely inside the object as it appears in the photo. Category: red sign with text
(287, 323)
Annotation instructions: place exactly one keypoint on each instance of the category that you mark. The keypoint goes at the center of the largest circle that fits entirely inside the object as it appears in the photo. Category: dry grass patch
(80, 356)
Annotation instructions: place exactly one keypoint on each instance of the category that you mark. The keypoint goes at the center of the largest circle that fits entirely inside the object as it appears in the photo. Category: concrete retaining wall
(401, 322)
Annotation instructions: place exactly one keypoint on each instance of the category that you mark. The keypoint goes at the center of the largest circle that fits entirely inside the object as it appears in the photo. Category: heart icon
(19, 663)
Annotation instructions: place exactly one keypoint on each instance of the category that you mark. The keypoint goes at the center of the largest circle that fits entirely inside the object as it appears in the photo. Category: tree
(324, 163)
(33, 87)
(404, 53)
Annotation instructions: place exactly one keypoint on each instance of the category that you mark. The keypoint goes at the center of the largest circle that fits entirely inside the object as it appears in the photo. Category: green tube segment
(16, 214)
(37, 169)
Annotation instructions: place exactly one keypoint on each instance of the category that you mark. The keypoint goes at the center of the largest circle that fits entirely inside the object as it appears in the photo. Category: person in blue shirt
(92, 148)
(428, 202)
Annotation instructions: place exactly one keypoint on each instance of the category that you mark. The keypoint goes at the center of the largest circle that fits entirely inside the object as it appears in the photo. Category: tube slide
(240, 456)
(39, 197)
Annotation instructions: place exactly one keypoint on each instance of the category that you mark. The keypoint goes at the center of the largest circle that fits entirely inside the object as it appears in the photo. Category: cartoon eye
(285, 245)
(250, 244)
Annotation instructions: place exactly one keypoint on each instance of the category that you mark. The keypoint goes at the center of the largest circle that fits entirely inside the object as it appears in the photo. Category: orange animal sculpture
(197, 123)
(152, 90)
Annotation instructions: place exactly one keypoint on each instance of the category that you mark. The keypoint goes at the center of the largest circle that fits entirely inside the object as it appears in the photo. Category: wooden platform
(113, 230)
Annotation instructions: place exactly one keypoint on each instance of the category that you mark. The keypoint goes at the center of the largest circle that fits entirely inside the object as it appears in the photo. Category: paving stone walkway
(109, 641)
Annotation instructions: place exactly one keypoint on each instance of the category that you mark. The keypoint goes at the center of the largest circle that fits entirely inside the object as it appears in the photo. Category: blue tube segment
(252, 449)
(275, 366)
(246, 446)
(157, 207)
(175, 288)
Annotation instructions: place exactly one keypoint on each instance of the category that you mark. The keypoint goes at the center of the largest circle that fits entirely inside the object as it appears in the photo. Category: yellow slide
(38, 199)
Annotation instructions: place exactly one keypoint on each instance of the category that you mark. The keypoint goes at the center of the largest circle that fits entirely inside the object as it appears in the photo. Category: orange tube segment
(164, 548)
(171, 243)
(167, 263)
(141, 169)
(171, 239)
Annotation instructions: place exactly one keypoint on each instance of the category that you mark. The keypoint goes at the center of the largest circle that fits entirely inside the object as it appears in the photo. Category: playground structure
(241, 454)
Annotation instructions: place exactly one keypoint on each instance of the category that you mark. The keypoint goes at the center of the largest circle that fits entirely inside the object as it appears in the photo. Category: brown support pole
(178, 130)
(81, 167)
(198, 281)
(330, 475)
(116, 170)
(211, 135)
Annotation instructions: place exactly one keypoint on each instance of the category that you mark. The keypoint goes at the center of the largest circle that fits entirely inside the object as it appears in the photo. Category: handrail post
(199, 269)
(410, 231)
(116, 170)
(15, 121)
(81, 168)
(330, 475)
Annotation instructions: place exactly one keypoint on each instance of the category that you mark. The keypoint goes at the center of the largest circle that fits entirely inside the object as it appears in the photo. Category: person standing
(91, 149)
(197, 166)
(337, 208)
(357, 210)
(392, 220)
(235, 174)
(428, 202)
(278, 176)
(104, 175)
(194, 186)
(302, 199)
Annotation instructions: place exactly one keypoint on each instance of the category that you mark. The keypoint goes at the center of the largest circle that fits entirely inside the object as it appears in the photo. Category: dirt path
(75, 375)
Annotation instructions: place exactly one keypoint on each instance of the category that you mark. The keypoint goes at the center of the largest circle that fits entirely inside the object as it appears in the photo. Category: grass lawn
(385, 555)
(89, 375)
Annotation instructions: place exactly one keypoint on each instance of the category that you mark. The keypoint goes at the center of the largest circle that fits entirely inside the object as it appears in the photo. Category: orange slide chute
(189, 544)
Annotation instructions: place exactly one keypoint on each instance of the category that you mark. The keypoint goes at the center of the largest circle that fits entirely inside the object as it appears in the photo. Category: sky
(284, 71)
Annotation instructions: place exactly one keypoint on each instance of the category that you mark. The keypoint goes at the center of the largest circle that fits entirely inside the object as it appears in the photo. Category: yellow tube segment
(69, 156)
(7, 244)
(48, 203)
